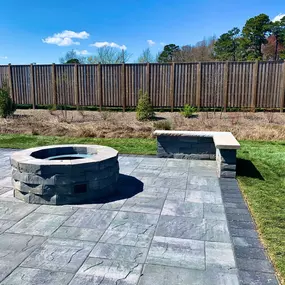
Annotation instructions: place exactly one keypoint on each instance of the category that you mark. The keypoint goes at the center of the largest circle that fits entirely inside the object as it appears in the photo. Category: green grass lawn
(263, 185)
(123, 145)
(261, 175)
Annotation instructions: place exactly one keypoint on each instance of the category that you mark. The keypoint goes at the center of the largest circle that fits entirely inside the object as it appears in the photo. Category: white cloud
(150, 42)
(278, 18)
(70, 34)
(82, 52)
(3, 57)
(162, 43)
(65, 38)
(108, 44)
(60, 41)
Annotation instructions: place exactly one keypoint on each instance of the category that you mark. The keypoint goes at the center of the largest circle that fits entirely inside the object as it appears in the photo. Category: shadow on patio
(127, 187)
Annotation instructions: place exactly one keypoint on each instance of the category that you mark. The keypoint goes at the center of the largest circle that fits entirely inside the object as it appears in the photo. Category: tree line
(259, 39)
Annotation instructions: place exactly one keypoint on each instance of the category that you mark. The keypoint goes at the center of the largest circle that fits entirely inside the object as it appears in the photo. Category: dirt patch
(254, 126)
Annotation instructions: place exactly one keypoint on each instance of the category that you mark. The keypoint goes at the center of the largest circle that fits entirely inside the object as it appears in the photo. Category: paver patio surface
(172, 222)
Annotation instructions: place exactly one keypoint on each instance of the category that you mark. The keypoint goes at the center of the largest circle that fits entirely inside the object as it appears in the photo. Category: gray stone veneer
(38, 180)
(186, 147)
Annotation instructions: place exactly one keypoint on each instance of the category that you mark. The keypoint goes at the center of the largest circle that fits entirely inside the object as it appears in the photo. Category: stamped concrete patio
(173, 222)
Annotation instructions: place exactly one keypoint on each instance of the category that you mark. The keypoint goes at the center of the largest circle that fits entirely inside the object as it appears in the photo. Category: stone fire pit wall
(38, 180)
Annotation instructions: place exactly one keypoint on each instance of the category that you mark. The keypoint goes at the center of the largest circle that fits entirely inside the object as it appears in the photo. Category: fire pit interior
(64, 174)
(68, 156)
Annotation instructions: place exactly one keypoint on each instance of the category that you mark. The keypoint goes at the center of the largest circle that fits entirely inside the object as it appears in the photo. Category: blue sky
(33, 30)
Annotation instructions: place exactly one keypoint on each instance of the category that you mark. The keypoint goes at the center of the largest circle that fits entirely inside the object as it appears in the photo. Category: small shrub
(7, 106)
(163, 125)
(188, 111)
(144, 110)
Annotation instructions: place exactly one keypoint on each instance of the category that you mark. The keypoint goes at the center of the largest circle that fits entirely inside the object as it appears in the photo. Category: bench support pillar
(226, 163)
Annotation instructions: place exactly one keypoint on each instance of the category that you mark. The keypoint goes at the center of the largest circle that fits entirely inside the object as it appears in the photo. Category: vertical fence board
(198, 86)
(54, 89)
(32, 86)
(76, 91)
(254, 85)
(99, 86)
(123, 86)
(10, 79)
(147, 78)
(172, 85)
(282, 88)
(226, 79)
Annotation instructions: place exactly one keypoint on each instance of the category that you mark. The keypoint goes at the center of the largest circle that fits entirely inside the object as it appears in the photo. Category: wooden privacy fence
(200, 84)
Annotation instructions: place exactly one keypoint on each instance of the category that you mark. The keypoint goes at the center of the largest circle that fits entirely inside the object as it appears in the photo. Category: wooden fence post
(198, 87)
(76, 91)
(171, 91)
(53, 82)
(254, 86)
(225, 89)
(10, 82)
(32, 83)
(99, 85)
(282, 91)
(123, 87)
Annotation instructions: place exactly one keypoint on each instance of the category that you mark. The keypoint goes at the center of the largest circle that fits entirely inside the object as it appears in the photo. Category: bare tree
(124, 56)
(72, 57)
(201, 51)
(146, 56)
(109, 55)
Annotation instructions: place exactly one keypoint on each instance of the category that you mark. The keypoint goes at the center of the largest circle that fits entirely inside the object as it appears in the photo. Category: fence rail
(172, 85)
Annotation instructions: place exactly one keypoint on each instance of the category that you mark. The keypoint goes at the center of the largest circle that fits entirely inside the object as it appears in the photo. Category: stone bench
(219, 146)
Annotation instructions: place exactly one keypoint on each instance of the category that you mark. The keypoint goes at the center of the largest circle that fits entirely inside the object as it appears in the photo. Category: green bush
(7, 106)
(188, 111)
(144, 108)
(163, 125)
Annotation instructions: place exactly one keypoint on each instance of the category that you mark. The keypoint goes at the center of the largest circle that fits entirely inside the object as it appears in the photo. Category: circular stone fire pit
(64, 174)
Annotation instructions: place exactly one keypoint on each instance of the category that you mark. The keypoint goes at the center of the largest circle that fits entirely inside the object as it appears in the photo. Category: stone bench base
(219, 146)
(186, 147)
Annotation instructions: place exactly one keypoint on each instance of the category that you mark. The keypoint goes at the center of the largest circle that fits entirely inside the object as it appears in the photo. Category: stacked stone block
(40, 181)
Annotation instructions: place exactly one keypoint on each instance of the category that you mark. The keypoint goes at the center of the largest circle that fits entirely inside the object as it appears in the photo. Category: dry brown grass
(254, 126)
